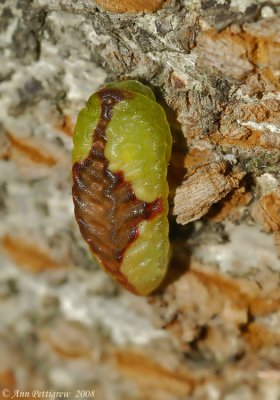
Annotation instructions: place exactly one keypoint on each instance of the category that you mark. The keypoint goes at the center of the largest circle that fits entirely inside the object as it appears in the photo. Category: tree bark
(212, 330)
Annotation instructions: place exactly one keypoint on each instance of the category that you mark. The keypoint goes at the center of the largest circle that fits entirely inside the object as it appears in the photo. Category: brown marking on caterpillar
(106, 207)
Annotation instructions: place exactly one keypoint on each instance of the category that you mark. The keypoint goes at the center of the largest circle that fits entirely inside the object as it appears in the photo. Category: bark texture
(213, 330)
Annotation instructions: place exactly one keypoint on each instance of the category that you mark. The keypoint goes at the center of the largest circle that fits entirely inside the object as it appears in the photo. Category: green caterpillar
(122, 146)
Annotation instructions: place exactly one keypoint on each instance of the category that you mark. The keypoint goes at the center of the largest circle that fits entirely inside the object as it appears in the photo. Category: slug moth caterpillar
(122, 146)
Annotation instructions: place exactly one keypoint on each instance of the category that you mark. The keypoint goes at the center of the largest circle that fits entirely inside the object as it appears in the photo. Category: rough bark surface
(213, 330)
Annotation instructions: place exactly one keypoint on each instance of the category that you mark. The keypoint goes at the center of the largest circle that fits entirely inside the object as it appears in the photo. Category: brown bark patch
(202, 295)
(196, 157)
(69, 339)
(28, 256)
(237, 53)
(130, 6)
(240, 293)
(229, 205)
(7, 381)
(267, 212)
(205, 186)
(66, 126)
(225, 52)
(250, 125)
(150, 374)
(31, 150)
(259, 336)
